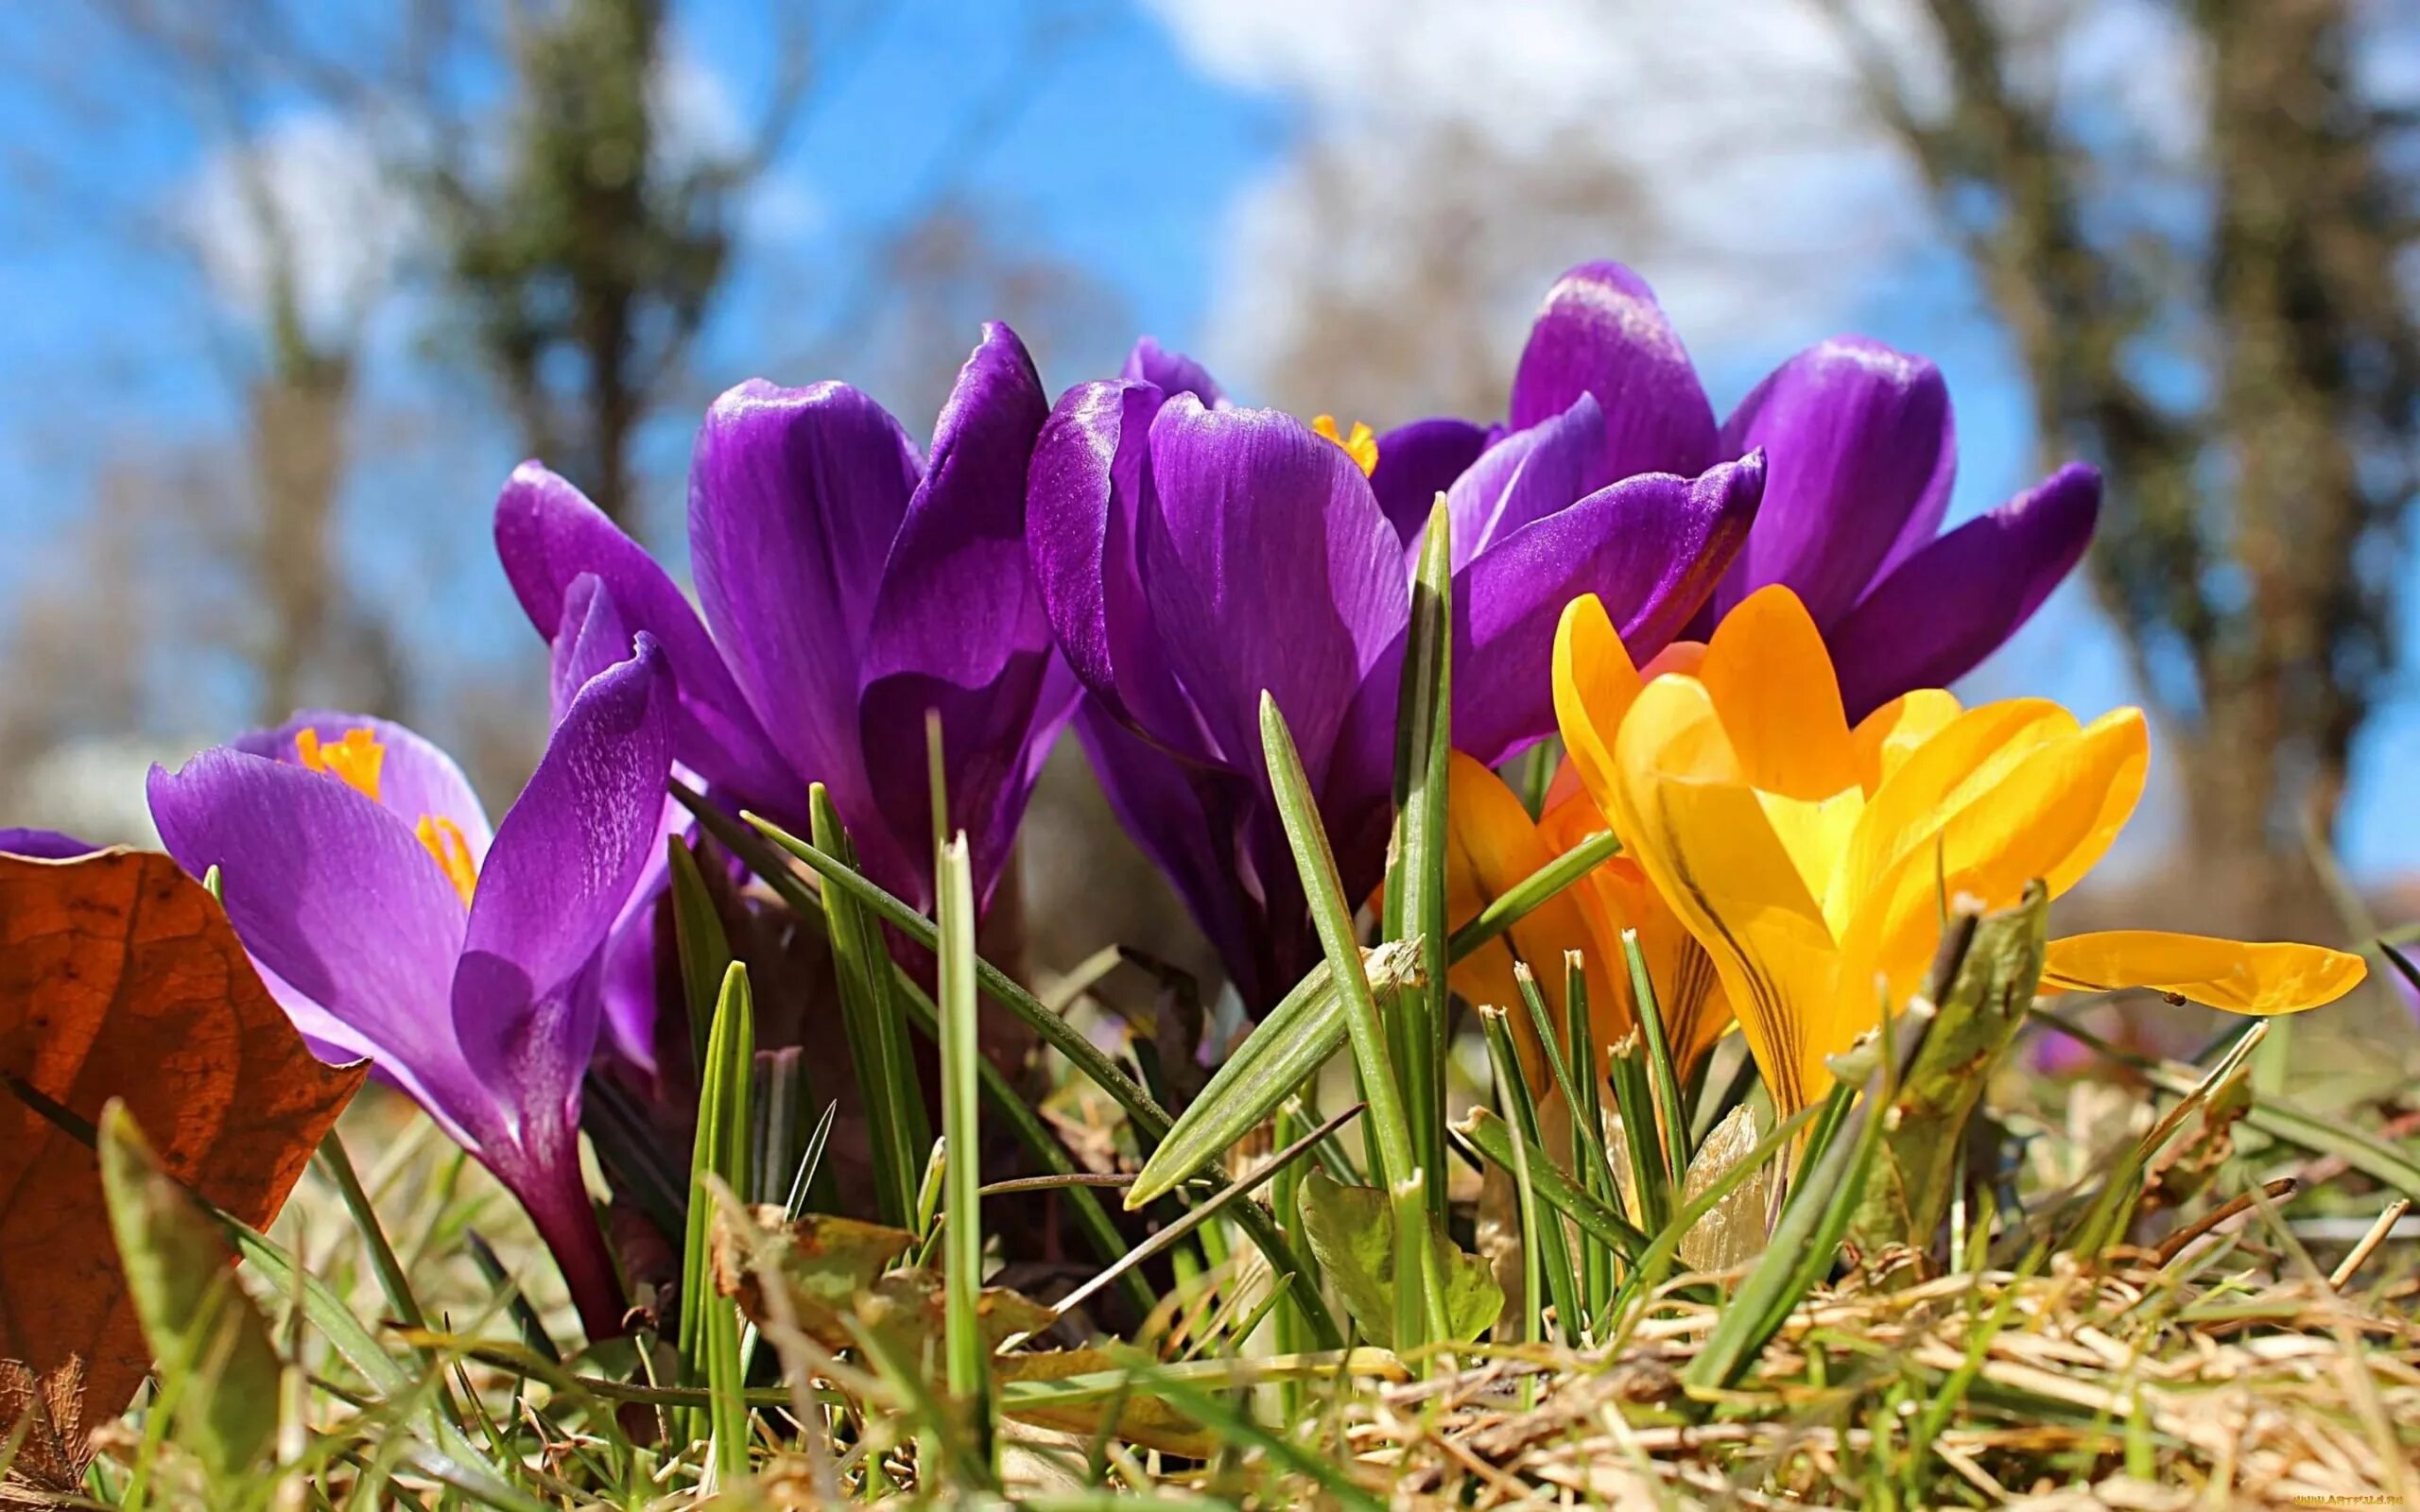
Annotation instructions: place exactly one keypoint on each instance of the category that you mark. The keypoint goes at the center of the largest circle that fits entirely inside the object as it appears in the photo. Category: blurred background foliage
(289, 287)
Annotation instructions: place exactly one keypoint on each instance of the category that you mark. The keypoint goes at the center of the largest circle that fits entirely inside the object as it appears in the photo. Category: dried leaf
(1733, 1233)
(120, 977)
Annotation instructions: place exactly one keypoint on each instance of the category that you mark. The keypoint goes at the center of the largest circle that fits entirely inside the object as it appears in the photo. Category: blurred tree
(2227, 333)
(587, 266)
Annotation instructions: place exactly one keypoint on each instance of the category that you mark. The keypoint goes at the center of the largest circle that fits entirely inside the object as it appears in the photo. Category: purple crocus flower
(1193, 554)
(42, 845)
(850, 583)
(1862, 452)
(392, 923)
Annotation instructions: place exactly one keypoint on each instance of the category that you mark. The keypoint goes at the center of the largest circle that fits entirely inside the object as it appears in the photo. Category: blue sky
(1125, 153)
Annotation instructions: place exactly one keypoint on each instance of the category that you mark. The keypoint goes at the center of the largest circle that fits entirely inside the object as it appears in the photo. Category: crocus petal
(1687, 816)
(1952, 603)
(1862, 457)
(42, 845)
(1086, 494)
(1616, 896)
(1771, 680)
(2240, 976)
(2051, 815)
(592, 638)
(415, 777)
(336, 897)
(1600, 331)
(548, 535)
(1649, 547)
(1271, 569)
(958, 626)
(1527, 476)
(795, 495)
(1887, 737)
(1419, 461)
(1492, 846)
(565, 862)
(1171, 372)
(1594, 683)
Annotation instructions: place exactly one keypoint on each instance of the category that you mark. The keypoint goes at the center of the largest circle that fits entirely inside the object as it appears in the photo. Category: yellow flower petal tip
(2240, 976)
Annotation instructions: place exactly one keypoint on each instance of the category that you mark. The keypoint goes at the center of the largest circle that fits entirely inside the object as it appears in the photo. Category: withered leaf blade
(120, 977)
(1734, 1233)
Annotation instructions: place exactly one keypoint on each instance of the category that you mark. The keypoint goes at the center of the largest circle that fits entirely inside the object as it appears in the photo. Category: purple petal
(1270, 568)
(340, 901)
(42, 845)
(989, 736)
(1600, 331)
(415, 777)
(1086, 492)
(1527, 476)
(548, 535)
(565, 862)
(1419, 461)
(1652, 547)
(1953, 603)
(957, 599)
(1172, 374)
(795, 495)
(959, 626)
(591, 639)
(1862, 454)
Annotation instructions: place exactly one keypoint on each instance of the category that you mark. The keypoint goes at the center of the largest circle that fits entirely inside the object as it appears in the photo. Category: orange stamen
(354, 760)
(1361, 444)
(445, 840)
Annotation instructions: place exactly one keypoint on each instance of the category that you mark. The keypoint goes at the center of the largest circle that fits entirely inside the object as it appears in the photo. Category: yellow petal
(2241, 976)
(1770, 678)
(1887, 737)
(1615, 896)
(1595, 681)
(1698, 831)
(1492, 846)
(2051, 813)
(1965, 758)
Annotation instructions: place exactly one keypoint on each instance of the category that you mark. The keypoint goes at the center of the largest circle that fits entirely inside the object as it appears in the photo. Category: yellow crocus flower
(1810, 860)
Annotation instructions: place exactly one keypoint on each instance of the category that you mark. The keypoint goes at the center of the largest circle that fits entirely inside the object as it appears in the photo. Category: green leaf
(967, 1350)
(1298, 1036)
(1415, 890)
(1488, 1134)
(1308, 1027)
(1353, 1233)
(1923, 1149)
(218, 1375)
(703, 945)
(898, 1130)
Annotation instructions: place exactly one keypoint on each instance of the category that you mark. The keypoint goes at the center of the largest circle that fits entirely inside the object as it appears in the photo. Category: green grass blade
(526, 1320)
(1150, 1120)
(1807, 1239)
(705, 948)
(1511, 906)
(1545, 1256)
(1415, 891)
(1289, 1047)
(898, 1130)
(1332, 915)
(1589, 1157)
(1673, 1125)
(1493, 1138)
(969, 1375)
(720, 1152)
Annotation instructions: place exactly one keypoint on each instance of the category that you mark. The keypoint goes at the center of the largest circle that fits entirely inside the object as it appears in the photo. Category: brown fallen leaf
(120, 977)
